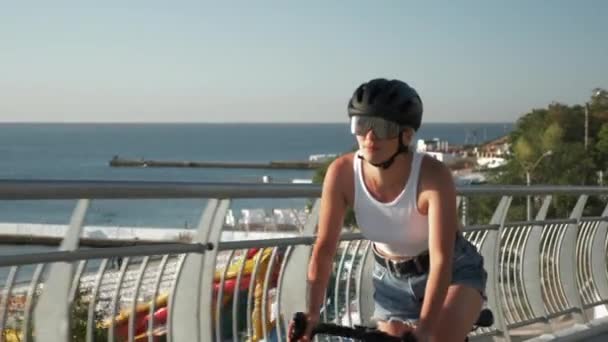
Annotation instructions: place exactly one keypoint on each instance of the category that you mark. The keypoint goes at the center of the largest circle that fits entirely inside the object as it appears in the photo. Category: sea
(44, 151)
(57, 151)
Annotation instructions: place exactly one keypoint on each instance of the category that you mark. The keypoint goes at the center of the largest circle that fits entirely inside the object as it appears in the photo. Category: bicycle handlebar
(361, 333)
(485, 319)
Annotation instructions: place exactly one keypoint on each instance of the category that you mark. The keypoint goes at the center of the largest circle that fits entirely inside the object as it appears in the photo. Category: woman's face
(376, 150)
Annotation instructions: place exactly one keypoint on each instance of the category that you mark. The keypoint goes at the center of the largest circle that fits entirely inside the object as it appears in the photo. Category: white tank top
(397, 228)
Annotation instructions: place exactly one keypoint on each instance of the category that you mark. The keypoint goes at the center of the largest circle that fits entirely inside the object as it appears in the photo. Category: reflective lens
(383, 129)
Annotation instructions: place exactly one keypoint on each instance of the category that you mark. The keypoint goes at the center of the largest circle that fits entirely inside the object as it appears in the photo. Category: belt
(416, 266)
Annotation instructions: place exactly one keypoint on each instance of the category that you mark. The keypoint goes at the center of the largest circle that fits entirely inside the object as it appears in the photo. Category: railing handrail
(14, 189)
(98, 253)
(530, 264)
(158, 249)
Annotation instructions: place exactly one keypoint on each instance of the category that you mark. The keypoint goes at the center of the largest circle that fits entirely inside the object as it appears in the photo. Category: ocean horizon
(82, 151)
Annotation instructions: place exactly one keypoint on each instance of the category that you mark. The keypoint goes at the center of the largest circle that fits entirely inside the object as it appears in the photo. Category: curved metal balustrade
(544, 275)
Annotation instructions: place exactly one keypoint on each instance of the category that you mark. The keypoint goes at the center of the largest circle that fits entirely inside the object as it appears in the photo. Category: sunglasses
(383, 129)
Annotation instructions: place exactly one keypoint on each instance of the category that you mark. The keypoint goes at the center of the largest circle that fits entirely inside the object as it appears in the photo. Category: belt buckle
(396, 270)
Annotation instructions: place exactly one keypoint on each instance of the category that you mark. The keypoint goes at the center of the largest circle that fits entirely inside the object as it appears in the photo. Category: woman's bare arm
(331, 219)
(443, 225)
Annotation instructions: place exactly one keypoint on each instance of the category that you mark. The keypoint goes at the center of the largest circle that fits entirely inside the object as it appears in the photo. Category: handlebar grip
(299, 326)
(409, 337)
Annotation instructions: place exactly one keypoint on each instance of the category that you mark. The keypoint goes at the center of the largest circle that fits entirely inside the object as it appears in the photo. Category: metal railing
(543, 275)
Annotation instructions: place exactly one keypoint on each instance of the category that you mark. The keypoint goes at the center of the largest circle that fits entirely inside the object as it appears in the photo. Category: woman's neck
(392, 178)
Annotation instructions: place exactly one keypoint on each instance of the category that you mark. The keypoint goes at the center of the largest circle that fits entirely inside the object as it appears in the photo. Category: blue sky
(294, 61)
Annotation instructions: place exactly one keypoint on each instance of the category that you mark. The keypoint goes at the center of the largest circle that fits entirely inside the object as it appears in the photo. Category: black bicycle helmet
(392, 100)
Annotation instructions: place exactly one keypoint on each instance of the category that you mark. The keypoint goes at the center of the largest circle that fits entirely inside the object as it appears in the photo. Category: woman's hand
(311, 322)
(421, 335)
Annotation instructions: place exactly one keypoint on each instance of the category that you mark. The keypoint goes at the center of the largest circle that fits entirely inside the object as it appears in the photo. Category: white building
(436, 149)
(491, 162)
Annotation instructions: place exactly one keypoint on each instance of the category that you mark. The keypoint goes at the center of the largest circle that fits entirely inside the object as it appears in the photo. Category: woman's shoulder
(341, 167)
(338, 177)
(344, 161)
(434, 171)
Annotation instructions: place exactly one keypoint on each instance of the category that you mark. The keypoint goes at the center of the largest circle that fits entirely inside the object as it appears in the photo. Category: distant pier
(294, 165)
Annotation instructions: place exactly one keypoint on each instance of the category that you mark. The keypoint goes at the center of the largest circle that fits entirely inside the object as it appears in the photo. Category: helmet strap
(387, 163)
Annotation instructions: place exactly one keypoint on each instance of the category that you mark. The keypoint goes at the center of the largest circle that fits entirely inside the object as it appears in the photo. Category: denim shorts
(399, 297)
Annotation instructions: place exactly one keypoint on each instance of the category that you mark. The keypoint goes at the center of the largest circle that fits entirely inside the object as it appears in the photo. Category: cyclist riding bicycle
(426, 275)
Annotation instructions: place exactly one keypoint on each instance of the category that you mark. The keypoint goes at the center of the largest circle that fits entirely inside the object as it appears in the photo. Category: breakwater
(283, 165)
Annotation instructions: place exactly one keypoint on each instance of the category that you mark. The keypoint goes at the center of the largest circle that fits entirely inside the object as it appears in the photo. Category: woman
(427, 277)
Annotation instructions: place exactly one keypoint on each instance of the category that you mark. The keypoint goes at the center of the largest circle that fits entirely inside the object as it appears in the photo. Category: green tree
(78, 321)
(523, 149)
(80, 313)
(552, 136)
(561, 129)
(601, 147)
(598, 105)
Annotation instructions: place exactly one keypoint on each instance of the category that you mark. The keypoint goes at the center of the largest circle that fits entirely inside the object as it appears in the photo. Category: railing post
(213, 235)
(6, 298)
(490, 249)
(188, 319)
(52, 313)
(598, 261)
(531, 266)
(365, 286)
(464, 209)
(293, 287)
(567, 262)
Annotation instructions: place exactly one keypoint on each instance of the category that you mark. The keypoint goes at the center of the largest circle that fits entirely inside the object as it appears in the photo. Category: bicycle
(369, 334)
